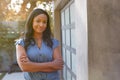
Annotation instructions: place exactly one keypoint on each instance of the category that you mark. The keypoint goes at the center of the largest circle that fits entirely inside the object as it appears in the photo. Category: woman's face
(40, 23)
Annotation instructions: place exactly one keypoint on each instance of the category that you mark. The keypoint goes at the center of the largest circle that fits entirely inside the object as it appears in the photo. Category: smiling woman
(13, 23)
(38, 53)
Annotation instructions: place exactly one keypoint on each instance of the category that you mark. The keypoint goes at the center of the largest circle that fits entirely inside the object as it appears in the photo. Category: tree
(3, 8)
(25, 10)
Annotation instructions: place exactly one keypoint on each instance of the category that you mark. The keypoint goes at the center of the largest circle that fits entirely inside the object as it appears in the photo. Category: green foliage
(21, 26)
(0, 61)
(2, 75)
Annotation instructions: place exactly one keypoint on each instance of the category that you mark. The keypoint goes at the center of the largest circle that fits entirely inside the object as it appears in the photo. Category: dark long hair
(28, 37)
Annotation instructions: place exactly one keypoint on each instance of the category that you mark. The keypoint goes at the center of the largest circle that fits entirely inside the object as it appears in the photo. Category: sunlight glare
(28, 5)
(15, 5)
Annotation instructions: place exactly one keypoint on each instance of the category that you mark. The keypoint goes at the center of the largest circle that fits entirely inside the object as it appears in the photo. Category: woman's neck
(37, 36)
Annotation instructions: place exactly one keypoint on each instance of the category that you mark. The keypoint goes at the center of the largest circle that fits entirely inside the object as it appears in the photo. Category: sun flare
(15, 5)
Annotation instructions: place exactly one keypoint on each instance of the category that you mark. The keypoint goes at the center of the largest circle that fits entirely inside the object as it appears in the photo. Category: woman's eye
(37, 21)
(41, 21)
(44, 22)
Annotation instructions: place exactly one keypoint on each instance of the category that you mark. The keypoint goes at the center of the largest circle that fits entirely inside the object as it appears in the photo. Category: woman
(38, 54)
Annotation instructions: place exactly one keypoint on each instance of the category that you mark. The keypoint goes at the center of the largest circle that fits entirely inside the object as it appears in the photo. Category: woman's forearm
(28, 66)
(36, 67)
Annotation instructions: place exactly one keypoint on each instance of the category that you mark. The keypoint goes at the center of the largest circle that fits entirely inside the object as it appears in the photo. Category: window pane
(68, 58)
(67, 16)
(63, 36)
(68, 75)
(73, 44)
(68, 37)
(62, 19)
(73, 78)
(63, 52)
(74, 63)
(72, 15)
(64, 73)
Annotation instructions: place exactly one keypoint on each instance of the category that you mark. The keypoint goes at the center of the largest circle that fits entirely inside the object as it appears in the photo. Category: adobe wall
(104, 39)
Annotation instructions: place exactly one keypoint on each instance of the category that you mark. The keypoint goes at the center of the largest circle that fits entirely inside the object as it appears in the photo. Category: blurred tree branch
(11, 15)
(3, 8)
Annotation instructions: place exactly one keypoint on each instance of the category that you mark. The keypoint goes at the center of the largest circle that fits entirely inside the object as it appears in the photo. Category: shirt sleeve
(55, 43)
(20, 42)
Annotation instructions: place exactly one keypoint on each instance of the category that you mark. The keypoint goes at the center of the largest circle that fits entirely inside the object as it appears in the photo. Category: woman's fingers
(58, 63)
(24, 59)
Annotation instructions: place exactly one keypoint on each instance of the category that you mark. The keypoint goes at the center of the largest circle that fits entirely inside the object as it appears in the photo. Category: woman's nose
(41, 24)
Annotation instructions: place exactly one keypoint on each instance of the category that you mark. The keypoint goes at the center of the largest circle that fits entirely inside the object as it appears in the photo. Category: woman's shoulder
(54, 39)
(55, 42)
(19, 41)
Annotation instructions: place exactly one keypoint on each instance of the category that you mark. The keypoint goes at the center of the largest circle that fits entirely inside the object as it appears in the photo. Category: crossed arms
(28, 66)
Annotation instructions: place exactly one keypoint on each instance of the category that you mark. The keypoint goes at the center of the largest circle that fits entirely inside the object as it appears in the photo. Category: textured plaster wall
(104, 39)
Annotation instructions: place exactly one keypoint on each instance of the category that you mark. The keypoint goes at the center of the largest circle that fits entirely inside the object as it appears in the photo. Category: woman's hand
(57, 64)
(24, 59)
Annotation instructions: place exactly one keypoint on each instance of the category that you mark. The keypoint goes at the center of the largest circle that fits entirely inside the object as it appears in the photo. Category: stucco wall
(104, 39)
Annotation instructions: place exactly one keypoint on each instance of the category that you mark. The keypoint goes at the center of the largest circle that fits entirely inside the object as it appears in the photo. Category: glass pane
(73, 78)
(63, 52)
(63, 36)
(68, 58)
(73, 44)
(67, 18)
(68, 75)
(64, 73)
(68, 37)
(74, 63)
(62, 19)
(72, 15)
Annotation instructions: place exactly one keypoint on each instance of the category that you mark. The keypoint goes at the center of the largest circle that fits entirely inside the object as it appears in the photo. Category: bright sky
(16, 5)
